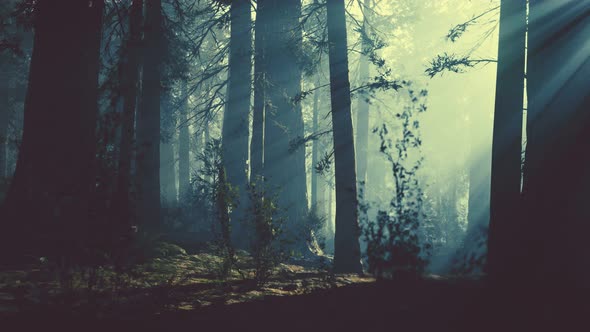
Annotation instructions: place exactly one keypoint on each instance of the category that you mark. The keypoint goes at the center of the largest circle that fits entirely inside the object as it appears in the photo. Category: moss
(165, 249)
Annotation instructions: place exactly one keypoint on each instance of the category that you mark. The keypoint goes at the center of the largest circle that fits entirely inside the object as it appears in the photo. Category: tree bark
(148, 120)
(284, 156)
(556, 176)
(168, 190)
(130, 92)
(315, 151)
(184, 176)
(236, 118)
(362, 119)
(346, 244)
(257, 142)
(51, 191)
(5, 110)
(507, 139)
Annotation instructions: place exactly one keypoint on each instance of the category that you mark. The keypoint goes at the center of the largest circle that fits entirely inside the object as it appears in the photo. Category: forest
(405, 164)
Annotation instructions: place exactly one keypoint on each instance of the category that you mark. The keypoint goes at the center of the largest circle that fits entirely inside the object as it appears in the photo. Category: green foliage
(448, 62)
(222, 227)
(395, 238)
(314, 226)
(267, 245)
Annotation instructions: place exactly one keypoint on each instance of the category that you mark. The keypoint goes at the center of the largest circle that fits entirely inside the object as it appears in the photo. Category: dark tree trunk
(257, 142)
(6, 108)
(284, 156)
(346, 245)
(236, 118)
(507, 139)
(130, 93)
(184, 176)
(148, 120)
(168, 190)
(51, 191)
(557, 165)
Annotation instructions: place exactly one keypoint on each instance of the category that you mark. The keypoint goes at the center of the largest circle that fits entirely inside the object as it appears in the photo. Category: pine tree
(346, 244)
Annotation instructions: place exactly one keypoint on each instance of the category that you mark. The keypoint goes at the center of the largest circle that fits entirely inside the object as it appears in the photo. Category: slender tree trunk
(507, 139)
(51, 191)
(315, 151)
(257, 142)
(148, 120)
(557, 165)
(184, 176)
(168, 190)
(5, 110)
(346, 245)
(328, 194)
(362, 119)
(130, 92)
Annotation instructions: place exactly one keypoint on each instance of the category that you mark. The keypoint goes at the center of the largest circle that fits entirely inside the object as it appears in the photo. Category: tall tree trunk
(236, 118)
(51, 191)
(168, 173)
(346, 245)
(557, 165)
(329, 218)
(507, 139)
(168, 190)
(284, 156)
(257, 142)
(5, 111)
(362, 119)
(184, 176)
(130, 92)
(315, 151)
(148, 120)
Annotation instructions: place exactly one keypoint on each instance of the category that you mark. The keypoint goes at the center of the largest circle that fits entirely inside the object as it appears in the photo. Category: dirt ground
(185, 291)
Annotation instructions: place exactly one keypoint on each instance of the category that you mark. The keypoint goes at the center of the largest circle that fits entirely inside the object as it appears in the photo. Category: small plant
(314, 225)
(395, 237)
(267, 246)
(213, 185)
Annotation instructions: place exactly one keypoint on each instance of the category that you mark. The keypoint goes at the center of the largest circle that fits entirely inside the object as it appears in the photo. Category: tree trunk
(284, 156)
(257, 142)
(51, 191)
(346, 245)
(5, 110)
(557, 177)
(168, 190)
(184, 176)
(315, 150)
(148, 120)
(507, 139)
(236, 118)
(362, 119)
(130, 93)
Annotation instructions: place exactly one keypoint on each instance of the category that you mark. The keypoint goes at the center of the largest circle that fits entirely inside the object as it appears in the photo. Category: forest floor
(185, 290)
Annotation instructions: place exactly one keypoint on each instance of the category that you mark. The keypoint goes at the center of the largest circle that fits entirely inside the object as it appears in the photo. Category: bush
(267, 246)
(314, 226)
(395, 239)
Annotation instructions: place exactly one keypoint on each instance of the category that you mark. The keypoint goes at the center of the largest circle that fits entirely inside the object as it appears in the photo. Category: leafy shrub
(314, 227)
(267, 245)
(395, 238)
